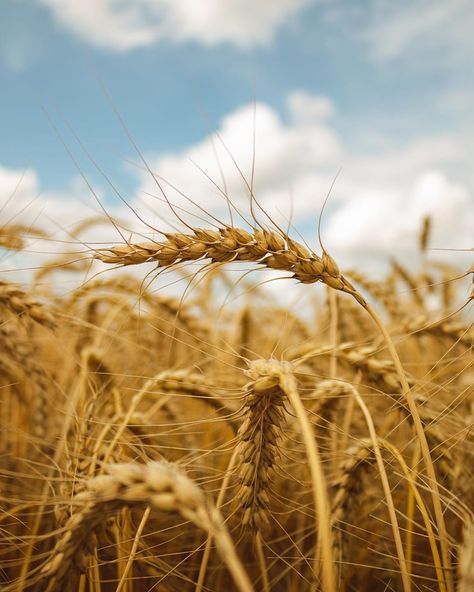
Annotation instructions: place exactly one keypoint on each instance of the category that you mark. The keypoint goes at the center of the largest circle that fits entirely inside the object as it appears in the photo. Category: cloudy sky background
(381, 91)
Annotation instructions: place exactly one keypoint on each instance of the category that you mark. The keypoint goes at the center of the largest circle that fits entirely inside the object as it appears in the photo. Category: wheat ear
(349, 486)
(276, 251)
(264, 422)
(12, 235)
(266, 247)
(20, 303)
(162, 486)
(268, 373)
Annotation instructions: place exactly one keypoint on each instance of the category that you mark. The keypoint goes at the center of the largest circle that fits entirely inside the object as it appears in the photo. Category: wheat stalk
(466, 559)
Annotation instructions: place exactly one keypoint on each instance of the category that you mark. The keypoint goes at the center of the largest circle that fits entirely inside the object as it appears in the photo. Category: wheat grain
(161, 485)
(265, 247)
(21, 304)
(264, 419)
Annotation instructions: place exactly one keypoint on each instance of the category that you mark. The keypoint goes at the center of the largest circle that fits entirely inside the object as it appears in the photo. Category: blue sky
(384, 90)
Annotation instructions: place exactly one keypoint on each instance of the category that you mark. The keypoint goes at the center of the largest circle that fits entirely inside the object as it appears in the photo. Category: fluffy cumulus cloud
(15, 184)
(121, 25)
(390, 29)
(255, 147)
(374, 223)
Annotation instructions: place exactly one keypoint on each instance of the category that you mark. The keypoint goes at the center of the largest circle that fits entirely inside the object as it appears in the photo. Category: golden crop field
(187, 440)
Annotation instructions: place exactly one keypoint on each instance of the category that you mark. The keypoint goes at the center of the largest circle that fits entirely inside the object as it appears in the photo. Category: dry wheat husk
(266, 247)
(17, 301)
(160, 485)
(264, 420)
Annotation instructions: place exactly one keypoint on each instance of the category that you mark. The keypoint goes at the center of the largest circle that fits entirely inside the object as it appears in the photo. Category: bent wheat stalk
(425, 449)
(387, 491)
(160, 485)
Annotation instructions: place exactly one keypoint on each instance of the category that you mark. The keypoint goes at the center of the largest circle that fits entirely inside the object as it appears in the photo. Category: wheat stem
(219, 502)
(262, 562)
(388, 494)
(325, 544)
(133, 551)
(435, 494)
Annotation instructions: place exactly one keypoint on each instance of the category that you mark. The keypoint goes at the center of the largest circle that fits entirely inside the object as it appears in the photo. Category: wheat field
(192, 441)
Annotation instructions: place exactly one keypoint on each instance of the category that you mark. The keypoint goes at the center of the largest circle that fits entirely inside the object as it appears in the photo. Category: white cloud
(398, 28)
(105, 23)
(298, 157)
(243, 22)
(122, 25)
(15, 183)
(377, 223)
(21, 199)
